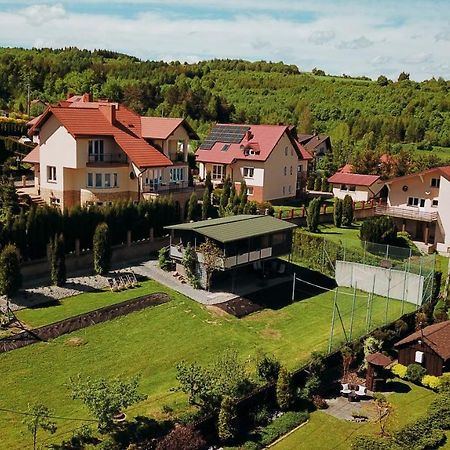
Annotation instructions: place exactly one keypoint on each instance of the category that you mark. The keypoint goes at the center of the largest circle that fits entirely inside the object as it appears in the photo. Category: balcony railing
(166, 188)
(107, 158)
(227, 262)
(406, 213)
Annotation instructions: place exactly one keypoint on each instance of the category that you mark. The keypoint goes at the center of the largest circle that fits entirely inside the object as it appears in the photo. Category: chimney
(249, 135)
(109, 111)
(87, 97)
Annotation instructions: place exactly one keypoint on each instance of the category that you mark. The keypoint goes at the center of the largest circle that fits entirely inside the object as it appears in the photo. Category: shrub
(206, 204)
(317, 184)
(285, 392)
(399, 370)
(415, 373)
(347, 211)
(182, 438)
(192, 211)
(267, 368)
(363, 442)
(10, 276)
(226, 427)
(431, 381)
(102, 249)
(58, 260)
(313, 213)
(282, 425)
(378, 229)
(337, 212)
(163, 258)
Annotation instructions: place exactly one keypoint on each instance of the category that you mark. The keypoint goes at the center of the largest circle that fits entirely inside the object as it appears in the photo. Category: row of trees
(342, 213)
(10, 275)
(31, 230)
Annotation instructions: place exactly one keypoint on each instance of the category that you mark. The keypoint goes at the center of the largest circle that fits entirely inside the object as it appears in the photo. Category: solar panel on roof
(229, 134)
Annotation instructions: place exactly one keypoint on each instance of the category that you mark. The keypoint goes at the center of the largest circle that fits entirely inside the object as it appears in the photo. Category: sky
(356, 37)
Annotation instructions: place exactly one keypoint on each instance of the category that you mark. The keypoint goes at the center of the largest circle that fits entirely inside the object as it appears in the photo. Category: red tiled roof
(348, 168)
(33, 121)
(436, 336)
(305, 154)
(263, 140)
(33, 156)
(91, 119)
(442, 171)
(159, 127)
(353, 178)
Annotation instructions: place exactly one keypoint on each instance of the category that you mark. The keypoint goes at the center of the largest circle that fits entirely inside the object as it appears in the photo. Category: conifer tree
(313, 213)
(227, 420)
(102, 249)
(192, 207)
(285, 394)
(58, 260)
(347, 211)
(206, 205)
(337, 212)
(10, 276)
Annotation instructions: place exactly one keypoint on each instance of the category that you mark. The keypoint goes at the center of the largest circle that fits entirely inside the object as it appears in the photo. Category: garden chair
(135, 281)
(130, 280)
(112, 284)
(361, 391)
(345, 389)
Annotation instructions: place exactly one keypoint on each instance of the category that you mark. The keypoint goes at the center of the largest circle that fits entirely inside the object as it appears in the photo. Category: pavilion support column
(185, 150)
(404, 225)
(426, 233)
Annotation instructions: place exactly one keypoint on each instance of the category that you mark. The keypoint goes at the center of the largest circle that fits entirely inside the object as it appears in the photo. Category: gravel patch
(46, 294)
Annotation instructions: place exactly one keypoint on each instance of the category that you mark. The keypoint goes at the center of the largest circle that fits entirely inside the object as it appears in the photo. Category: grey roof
(233, 228)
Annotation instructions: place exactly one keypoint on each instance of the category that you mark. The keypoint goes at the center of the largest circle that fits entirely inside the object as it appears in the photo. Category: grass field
(150, 343)
(79, 304)
(324, 432)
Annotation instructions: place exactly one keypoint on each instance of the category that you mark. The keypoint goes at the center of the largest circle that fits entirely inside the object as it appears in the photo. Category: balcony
(107, 159)
(167, 188)
(227, 262)
(406, 213)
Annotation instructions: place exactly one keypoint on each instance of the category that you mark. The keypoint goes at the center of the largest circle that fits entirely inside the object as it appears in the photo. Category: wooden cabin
(429, 347)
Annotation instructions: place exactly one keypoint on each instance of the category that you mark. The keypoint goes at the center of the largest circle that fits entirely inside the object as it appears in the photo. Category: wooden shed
(429, 347)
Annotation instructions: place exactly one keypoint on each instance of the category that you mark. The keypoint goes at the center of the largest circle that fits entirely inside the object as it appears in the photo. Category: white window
(290, 189)
(248, 172)
(291, 170)
(176, 174)
(418, 358)
(299, 168)
(217, 172)
(98, 180)
(435, 182)
(250, 190)
(102, 180)
(51, 174)
(286, 151)
(344, 187)
(96, 150)
(352, 188)
(285, 170)
(115, 180)
(107, 182)
(90, 180)
(435, 203)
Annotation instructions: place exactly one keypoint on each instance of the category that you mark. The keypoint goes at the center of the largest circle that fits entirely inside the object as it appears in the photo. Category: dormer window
(435, 182)
(225, 148)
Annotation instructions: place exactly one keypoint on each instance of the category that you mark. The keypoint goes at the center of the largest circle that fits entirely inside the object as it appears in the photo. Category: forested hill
(360, 114)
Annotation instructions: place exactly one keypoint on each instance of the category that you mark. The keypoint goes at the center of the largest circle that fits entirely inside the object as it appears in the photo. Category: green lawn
(150, 343)
(79, 304)
(324, 432)
(347, 236)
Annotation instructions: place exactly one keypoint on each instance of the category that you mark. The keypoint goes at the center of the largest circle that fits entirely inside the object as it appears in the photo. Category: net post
(333, 319)
(353, 313)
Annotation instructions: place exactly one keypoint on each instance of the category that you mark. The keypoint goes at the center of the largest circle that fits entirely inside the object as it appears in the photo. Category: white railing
(406, 213)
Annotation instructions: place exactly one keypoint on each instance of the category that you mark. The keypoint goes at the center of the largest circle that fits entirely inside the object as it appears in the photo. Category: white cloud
(39, 14)
(357, 43)
(321, 37)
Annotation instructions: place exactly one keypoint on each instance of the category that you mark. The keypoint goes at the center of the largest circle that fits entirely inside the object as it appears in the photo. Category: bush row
(31, 230)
